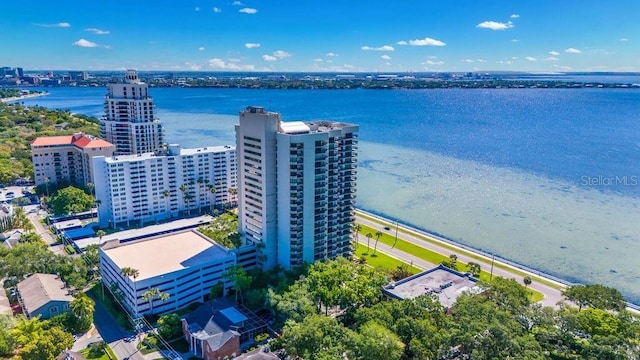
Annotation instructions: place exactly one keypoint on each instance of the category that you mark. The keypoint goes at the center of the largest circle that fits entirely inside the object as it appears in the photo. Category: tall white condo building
(129, 121)
(296, 187)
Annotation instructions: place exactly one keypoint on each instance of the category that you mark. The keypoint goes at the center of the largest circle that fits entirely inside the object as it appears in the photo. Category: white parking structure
(183, 266)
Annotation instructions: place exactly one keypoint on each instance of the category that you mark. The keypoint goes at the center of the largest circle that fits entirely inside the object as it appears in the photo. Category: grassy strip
(381, 260)
(459, 251)
(107, 355)
(424, 254)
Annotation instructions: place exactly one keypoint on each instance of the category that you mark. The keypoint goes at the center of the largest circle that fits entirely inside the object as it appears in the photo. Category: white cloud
(252, 45)
(329, 61)
(330, 54)
(431, 62)
(216, 9)
(381, 48)
(201, 48)
(234, 60)
(481, 60)
(402, 42)
(515, 40)
(551, 58)
(562, 67)
(514, 16)
(85, 43)
(426, 42)
(317, 60)
(217, 63)
(248, 10)
(385, 57)
(269, 58)
(494, 25)
(623, 39)
(237, 3)
(508, 62)
(58, 25)
(554, 53)
(98, 31)
(531, 58)
(197, 8)
(194, 67)
(432, 57)
(467, 60)
(572, 51)
(281, 54)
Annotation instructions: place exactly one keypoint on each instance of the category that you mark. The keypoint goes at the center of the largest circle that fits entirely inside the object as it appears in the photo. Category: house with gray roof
(219, 329)
(43, 295)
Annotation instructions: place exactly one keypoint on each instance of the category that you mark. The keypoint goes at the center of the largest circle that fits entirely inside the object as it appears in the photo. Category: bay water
(548, 178)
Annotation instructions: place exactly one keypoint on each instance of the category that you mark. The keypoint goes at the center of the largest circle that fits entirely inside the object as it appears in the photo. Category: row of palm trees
(357, 228)
(150, 295)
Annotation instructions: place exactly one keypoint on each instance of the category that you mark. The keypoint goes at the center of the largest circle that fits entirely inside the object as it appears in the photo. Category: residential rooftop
(446, 284)
(79, 140)
(39, 289)
(174, 150)
(165, 254)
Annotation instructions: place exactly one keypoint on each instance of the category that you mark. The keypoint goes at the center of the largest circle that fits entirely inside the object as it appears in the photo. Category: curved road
(551, 295)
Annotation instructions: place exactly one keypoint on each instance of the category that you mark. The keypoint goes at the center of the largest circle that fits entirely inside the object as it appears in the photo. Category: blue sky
(330, 35)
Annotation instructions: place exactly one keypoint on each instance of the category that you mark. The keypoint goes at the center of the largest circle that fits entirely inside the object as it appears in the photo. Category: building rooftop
(161, 154)
(80, 140)
(444, 283)
(165, 254)
(39, 289)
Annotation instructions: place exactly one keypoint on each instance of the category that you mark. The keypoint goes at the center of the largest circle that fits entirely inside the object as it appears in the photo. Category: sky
(314, 36)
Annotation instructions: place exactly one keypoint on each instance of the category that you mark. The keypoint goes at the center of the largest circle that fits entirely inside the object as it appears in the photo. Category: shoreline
(23, 97)
(506, 264)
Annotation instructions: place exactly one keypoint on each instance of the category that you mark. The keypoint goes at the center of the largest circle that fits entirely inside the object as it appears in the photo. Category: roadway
(551, 295)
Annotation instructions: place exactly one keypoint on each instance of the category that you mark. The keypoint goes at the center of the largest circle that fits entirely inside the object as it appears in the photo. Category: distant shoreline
(22, 97)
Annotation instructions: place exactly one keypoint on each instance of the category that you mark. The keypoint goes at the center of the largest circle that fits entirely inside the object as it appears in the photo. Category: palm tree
(163, 296)
(82, 307)
(166, 195)
(186, 197)
(375, 246)
(369, 236)
(149, 295)
(134, 273)
(100, 233)
(212, 191)
(527, 281)
(474, 268)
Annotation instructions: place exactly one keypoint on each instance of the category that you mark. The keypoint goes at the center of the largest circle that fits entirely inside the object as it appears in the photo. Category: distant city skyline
(332, 36)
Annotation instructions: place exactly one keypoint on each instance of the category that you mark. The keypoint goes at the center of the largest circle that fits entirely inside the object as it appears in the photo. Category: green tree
(595, 296)
(318, 337)
(474, 268)
(7, 322)
(82, 308)
(38, 343)
(70, 200)
(240, 279)
(217, 290)
(527, 281)
(376, 341)
(169, 326)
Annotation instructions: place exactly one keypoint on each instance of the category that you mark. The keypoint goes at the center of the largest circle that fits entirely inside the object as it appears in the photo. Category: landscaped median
(454, 249)
(385, 261)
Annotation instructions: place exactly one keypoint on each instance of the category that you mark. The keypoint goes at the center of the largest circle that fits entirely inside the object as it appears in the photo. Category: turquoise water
(547, 178)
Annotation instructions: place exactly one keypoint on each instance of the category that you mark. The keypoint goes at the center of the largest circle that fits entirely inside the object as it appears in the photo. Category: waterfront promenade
(550, 288)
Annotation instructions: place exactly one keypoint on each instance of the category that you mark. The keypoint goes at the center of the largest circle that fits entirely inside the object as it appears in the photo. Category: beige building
(68, 157)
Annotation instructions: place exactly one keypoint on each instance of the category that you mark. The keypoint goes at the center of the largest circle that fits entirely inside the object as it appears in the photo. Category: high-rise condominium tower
(296, 187)
(129, 121)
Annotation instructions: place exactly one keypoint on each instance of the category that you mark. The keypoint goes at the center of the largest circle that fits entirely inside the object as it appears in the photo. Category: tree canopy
(70, 200)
